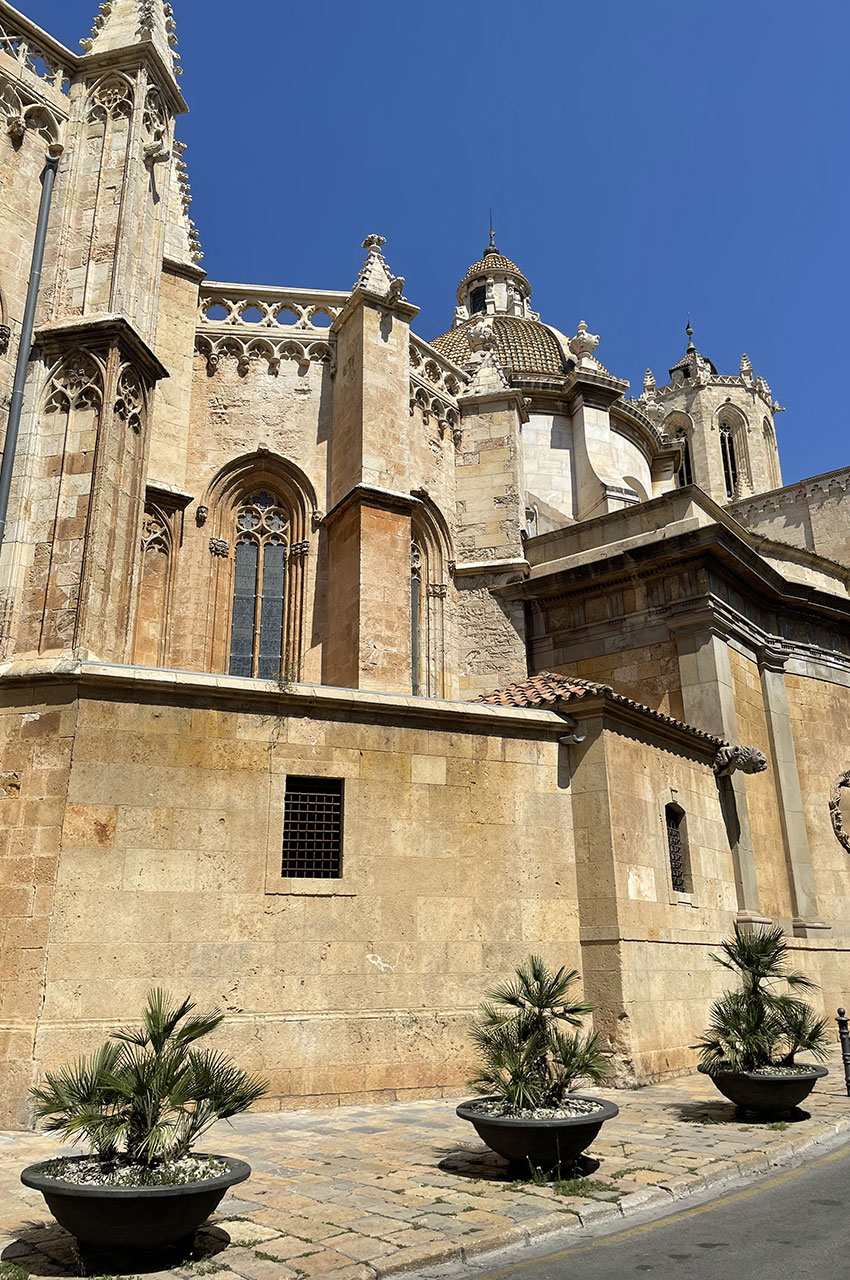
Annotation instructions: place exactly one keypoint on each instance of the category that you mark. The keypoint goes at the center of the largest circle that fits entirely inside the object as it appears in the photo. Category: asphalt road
(791, 1226)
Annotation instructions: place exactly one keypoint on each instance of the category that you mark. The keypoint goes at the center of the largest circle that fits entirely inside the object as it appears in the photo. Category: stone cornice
(188, 270)
(143, 52)
(103, 330)
(360, 297)
(373, 496)
(308, 700)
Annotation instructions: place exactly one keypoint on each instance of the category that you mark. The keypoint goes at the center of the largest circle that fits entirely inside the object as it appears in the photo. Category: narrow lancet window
(677, 848)
(256, 636)
(685, 474)
(730, 462)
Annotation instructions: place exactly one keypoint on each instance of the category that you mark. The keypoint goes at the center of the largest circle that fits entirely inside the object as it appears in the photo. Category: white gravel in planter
(568, 1109)
(90, 1171)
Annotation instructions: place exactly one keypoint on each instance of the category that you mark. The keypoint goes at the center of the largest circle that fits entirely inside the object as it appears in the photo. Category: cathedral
(343, 667)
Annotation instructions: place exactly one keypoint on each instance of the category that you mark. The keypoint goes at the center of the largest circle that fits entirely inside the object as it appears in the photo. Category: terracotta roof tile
(548, 688)
(526, 346)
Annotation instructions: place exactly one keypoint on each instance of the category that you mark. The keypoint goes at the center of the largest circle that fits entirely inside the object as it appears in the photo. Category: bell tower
(724, 422)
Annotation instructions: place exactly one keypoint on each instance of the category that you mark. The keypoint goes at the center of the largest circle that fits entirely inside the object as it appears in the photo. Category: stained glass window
(256, 636)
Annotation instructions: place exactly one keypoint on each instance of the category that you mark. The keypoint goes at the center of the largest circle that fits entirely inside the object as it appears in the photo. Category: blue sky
(643, 160)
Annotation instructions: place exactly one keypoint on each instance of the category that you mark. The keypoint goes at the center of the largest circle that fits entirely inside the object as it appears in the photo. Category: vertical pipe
(48, 179)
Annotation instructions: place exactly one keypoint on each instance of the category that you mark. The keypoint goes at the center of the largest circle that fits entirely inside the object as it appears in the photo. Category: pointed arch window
(685, 474)
(428, 593)
(730, 460)
(257, 626)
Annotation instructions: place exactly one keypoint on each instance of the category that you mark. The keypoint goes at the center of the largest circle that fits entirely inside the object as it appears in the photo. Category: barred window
(677, 848)
(312, 828)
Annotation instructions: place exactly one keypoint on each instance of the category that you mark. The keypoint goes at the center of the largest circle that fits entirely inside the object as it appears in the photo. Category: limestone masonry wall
(457, 862)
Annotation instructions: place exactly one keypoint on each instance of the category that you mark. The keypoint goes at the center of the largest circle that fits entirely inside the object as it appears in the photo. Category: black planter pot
(768, 1095)
(118, 1218)
(545, 1143)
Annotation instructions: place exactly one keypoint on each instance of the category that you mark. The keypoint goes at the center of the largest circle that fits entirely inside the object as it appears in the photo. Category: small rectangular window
(677, 849)
(478, 300)
(312, 828)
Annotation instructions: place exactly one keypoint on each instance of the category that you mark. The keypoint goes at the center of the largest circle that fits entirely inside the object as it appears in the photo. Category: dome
(525, 346)
(493, 261)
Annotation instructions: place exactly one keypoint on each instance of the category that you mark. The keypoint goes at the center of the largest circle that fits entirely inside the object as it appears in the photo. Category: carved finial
(584, 344)
(746, 368)
(648, 383)
(492, 244)
(375, 275)
(689, 331)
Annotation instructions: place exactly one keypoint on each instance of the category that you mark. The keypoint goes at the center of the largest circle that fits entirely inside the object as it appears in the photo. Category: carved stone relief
(839, 809)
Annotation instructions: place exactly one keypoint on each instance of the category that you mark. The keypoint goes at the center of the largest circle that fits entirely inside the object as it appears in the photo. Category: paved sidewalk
(358, 1192)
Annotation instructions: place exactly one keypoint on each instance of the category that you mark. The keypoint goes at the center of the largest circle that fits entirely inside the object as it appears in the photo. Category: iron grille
(312, 828)
(675, 849)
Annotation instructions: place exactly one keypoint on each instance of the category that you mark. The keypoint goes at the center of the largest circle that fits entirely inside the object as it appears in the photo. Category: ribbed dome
(526, 346)
(494, 261)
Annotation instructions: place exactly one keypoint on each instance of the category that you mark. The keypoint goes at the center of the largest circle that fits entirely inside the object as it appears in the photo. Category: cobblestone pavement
(355, 1192)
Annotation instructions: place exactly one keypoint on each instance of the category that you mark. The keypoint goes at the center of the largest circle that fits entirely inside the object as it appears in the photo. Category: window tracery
(130, 400)
(428, 593)
(257, 626)
(110, 99)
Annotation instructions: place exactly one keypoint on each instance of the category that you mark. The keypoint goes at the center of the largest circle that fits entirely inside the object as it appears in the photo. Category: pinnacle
(122, 24)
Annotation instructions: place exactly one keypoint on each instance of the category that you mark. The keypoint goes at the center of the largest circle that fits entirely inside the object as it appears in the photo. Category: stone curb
(750, 1165)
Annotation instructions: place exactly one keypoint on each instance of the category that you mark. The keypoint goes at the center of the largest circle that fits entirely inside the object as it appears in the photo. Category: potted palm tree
(530, 1064)
(755, 1033)
(141, 1102)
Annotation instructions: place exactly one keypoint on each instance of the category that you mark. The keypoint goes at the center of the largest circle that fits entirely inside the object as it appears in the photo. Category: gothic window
(415, 616)
(677, 848)
(685, 474)
(730, 461)
(478, 300)
(428, 591)
(256, 636)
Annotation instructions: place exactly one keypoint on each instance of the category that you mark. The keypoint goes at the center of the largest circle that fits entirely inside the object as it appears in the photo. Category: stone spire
(122, 24)
(375, 275)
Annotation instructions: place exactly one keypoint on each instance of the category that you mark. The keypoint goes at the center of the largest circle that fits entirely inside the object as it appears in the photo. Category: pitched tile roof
(548, 688)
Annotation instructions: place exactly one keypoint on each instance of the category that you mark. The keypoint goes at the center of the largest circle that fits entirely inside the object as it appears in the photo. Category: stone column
(708, 699)
(790, 799)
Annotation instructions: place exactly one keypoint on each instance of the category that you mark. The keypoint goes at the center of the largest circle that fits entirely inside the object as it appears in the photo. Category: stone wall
(820, 718)
(457, 862)
(765, 826)
(662, 936)
(814, 514)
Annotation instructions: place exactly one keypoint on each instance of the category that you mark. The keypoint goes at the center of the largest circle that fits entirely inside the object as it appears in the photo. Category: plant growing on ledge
(754, 1033)
(530, 1064)
(142, 1102)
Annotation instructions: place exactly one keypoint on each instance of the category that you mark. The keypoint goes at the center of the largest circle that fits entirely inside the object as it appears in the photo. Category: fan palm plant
(147, 1095)
(528, 1058)
(761, 1025)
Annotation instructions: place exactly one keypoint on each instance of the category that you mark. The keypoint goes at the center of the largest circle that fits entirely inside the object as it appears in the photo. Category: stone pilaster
(708, 699)
(789, 796)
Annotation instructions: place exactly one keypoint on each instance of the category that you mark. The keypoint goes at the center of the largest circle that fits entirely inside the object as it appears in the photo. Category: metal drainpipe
(48, 179)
